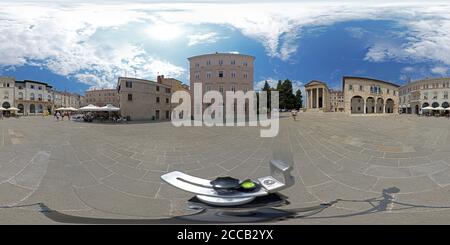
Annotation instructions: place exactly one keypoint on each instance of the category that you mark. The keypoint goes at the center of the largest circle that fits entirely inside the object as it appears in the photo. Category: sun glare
(164, 31)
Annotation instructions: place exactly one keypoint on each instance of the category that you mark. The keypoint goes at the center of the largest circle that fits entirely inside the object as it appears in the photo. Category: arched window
(20, 96)
(425, 105)
(40, 109)
(389, 106)
(32, 108)
(6, 105)
(445, 104)
(435, 104)
(32, 96)
(20, 107)
(357, 104)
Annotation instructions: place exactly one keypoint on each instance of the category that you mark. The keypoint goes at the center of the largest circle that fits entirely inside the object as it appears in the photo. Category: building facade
(317, 96)
(7, 94)
(66, 99)
(369, 96)
(141, 99)
(221, 72)
(423, 93)
(336, 101)
(102, 97)
(34, 97)
(175, 84)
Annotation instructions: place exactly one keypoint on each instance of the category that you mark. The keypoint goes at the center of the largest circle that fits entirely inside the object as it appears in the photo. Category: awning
(109, 107)
(90, 107)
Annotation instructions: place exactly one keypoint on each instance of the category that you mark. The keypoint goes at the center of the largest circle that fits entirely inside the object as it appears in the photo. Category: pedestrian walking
(294, 115)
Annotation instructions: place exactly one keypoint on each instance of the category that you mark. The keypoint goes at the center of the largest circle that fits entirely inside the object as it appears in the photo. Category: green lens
(248, 184)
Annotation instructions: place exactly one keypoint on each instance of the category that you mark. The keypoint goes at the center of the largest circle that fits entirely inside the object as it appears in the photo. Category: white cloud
(440, 70)
(62, 36)
(356, 32)
(210, 37)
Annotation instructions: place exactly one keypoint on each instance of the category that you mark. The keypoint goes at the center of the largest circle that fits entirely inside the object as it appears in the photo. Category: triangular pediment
(315, 82)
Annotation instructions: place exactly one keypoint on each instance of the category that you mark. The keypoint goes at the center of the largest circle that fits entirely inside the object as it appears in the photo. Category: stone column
(308, 94)
(365, 111)
(317, 98)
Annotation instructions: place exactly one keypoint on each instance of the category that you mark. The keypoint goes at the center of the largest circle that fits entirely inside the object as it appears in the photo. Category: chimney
(160, 78)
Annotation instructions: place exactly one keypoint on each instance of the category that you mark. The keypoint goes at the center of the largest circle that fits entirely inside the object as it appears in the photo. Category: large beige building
(102, 97)
(221, 72)
(141, 99)
(422, 93)
(317, 96)
(369, 96)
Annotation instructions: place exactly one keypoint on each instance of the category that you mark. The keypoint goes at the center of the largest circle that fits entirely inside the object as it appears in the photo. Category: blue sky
(78, 45)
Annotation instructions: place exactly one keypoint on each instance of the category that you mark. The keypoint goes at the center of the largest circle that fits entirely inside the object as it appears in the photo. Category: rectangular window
(167, 100)
(233, 88)
(208, 88)
(233, 62)
(157, 99)
(245, 75)
(32, 86)
(350, 87)
(220, 73)
(157, 88)
(168, 90)
(208, 75)
(167, 115)
(40, 88)
(445, 95)
(130, 97)
(197, 65)
(221, 88)
(220, 62)
(208, 62)
(129, 84)
(244, 64)
(197, 75)
(360, 88)
(233, 74)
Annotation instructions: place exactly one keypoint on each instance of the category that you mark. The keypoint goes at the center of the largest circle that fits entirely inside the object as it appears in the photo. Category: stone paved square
(112, 170)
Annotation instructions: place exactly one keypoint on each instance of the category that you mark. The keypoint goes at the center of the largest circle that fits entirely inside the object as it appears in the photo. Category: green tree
(287, 99)
(298, 99)
(268, 89)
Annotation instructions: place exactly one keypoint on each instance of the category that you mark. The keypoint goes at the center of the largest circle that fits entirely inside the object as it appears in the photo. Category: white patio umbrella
(109, 107)
(428, 108)
(439, 108)
(2, 109)
(13, 109)
(71, 109)
(90, 107)
(61, 109)
(447, 109)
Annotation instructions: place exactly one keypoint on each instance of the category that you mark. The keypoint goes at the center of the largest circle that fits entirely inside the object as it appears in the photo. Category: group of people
(59, 115)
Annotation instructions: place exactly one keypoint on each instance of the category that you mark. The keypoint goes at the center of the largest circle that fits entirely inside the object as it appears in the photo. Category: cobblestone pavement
(384, 169)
